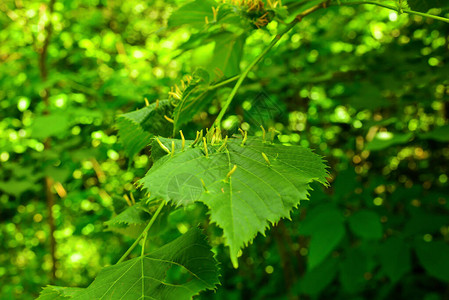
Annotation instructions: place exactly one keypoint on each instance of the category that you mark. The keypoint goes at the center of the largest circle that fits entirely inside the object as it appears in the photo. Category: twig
(411, 12)
(47, 143)
(242, 77)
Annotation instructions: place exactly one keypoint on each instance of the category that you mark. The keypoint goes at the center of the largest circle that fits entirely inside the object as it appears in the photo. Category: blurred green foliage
(364, 86)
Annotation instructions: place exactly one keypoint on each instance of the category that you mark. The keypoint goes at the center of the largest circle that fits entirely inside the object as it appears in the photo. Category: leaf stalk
(144, 232)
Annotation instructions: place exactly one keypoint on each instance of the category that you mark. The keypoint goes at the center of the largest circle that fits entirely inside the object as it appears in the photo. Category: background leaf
(387, 139)
(440, 134)
(434, 257)
(325, 226)
(50, 125)
(395, 258)
(366, 224)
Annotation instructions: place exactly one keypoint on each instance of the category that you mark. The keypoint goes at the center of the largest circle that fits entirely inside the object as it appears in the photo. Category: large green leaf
(136, 128)
(425, 5)
(256, 194)
(145, 277)
(325, 226)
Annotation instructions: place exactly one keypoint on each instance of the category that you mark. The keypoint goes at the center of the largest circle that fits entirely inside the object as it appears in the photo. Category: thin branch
(50, 197)
(411, 12)
(275, 40)
(44, 51)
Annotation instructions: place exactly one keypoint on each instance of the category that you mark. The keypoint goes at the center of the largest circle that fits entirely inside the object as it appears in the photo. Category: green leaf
(352, 269)
(17, 187)
(132, 231)
(425, 5)
(193, 13)
(194, 98)
(255, 194)
(434, 257)
(51, 292)
(325, 225)
(366, 224)
(133, 215)
(422, 222)
(228, 52)
(50, 125)
(439, 134)
(395, 258)
(316, 280)
(136, 128)
(384, 140)
(145, 277)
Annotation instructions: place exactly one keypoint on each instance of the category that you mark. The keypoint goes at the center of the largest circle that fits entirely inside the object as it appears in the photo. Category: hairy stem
(275, 40)
(411, 12)
(144, 233)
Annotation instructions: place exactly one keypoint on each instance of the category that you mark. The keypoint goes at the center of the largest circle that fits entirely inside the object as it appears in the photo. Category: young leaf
(133, 215)
(51, 292)
(244, 203)
(136, 128)
(194, 98)
(193, 13)
(145, 277)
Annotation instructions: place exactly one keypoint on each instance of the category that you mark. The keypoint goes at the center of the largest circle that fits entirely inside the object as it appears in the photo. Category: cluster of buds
(214, 137)
(256, 10)
(254, 5)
